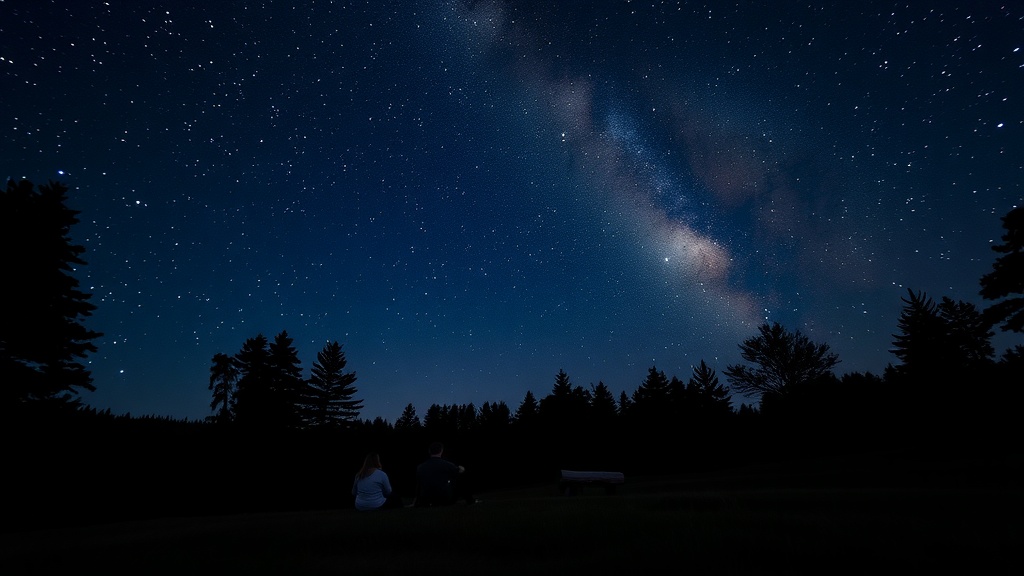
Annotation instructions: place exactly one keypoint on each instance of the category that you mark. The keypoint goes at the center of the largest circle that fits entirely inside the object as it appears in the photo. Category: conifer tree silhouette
(42, 337)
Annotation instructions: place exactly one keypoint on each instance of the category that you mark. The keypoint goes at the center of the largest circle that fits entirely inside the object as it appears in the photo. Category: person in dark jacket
(440, 482)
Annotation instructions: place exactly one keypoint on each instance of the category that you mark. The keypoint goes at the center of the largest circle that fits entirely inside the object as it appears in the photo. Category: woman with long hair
(372, 488)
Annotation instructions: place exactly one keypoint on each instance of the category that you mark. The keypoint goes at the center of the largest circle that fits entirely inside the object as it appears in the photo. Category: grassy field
(683, 523)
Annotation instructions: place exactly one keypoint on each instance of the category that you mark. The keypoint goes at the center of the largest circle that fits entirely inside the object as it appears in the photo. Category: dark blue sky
(472, 196)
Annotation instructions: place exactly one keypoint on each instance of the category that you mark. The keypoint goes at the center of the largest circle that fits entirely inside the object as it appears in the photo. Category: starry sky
(470, 196)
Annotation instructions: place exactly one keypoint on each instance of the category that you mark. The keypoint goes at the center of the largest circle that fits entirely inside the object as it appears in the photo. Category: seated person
(440, 482)
(371, 486)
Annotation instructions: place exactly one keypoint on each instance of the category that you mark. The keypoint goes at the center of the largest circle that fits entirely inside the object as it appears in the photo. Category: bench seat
(572, 481)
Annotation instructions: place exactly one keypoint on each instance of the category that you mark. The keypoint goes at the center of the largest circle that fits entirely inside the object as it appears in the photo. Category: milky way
(472, 196)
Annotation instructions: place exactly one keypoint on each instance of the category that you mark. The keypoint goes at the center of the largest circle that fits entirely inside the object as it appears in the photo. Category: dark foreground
(954, 518)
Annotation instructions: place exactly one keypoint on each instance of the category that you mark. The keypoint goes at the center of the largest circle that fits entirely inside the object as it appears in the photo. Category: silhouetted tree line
(278, 440)
(262, 386)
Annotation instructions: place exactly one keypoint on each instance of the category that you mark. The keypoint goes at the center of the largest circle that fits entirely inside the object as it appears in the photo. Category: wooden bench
(572, 482)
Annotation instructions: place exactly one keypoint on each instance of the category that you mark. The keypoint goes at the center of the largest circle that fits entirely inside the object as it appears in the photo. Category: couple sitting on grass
(438, 483)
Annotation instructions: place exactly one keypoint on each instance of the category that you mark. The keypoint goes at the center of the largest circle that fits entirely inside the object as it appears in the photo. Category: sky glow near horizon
(472, 196)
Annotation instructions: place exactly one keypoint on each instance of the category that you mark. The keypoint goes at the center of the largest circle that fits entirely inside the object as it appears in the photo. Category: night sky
(472, 196)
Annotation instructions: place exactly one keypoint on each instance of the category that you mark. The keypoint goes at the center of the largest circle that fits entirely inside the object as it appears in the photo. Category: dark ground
(866, 515)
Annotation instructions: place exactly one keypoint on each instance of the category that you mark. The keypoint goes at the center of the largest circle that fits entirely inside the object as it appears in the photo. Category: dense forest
(277, 440)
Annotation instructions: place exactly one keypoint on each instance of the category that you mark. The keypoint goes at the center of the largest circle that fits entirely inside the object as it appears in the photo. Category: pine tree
(944, 348)
(921, 344)
(408, 420)
(289, 388)
(254, 396)
(680, 402)
(435, 421)
(602, 405)
(941, 341)
(330, 399)
(42, 338)
(1005, 283)
(223, 377)
(970, 336)
(567, 406)
(652, 402)
(501, 414)
(468, 418)
(528, 411)
(557, 401)
(710, 398)
(625, 405)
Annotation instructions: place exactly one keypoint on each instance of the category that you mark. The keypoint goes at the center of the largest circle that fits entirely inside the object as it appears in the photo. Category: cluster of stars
(473, 196)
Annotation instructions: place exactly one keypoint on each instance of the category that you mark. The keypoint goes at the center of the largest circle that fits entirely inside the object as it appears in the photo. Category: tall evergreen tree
(567, 406)
(331, 395)
(970, 336)
(680, 406)
(602, 405)
(1004, 285)
(940, 341)
(223, 377)
(528, 411)
(624, 405)
(289, 388)
(42, 337)
(468, 417)
(408, 420)
(485, 414)
(652, 401)
(604, 429)
(921, 344)
(558, 399)
(501, 414)
(710, 398)
(945, 348)
(435, 421)
(254, 400)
